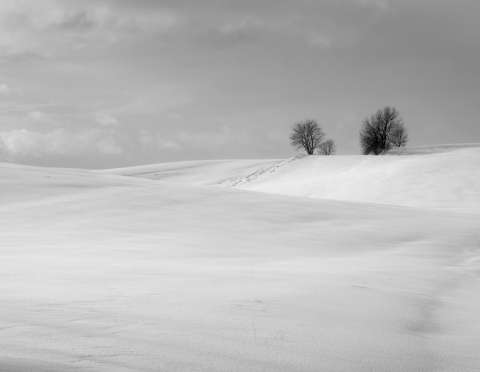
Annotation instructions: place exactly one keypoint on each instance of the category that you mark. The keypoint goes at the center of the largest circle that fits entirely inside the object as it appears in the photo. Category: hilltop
(443, 177)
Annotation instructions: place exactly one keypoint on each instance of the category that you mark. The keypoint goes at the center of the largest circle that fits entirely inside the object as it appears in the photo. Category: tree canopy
(307, 135)
(382, 130)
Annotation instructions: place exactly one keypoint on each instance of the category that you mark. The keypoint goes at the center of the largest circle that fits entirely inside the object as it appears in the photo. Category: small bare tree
(377, 131)
(327, 148)
(307, 135)
(399, 136)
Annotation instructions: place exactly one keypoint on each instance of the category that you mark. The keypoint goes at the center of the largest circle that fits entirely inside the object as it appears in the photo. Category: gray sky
(111, 83)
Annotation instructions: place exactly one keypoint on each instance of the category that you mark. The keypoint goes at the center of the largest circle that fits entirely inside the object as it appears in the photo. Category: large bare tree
(327, 147)
(378, 132)
(307, 135)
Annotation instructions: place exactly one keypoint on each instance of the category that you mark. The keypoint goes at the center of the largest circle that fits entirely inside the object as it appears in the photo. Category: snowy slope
(445, 177)
(111, 273)
(440, 177)
(204, 172)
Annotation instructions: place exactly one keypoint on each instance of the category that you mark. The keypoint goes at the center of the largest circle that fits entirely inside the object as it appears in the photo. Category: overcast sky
(111, 83)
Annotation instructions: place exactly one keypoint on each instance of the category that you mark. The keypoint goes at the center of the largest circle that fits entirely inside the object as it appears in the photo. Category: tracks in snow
(236, 181)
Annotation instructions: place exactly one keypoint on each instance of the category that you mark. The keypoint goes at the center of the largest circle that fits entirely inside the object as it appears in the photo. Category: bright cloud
(23, 142)
(5, 89)
(40, 117)
(106, 120)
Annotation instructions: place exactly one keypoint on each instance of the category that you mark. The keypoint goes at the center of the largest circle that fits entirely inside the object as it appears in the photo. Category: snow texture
(340, 263)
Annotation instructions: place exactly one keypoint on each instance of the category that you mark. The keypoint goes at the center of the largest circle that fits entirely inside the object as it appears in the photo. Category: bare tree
(399, 136)
(377, 132)
(327, 148)
(307, 135)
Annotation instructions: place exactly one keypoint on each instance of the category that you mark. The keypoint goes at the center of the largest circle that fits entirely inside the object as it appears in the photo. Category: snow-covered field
(342, 263)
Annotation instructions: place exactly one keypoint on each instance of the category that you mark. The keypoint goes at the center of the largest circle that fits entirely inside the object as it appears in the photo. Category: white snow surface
(210, 172)
(439, 177)
(341, 263)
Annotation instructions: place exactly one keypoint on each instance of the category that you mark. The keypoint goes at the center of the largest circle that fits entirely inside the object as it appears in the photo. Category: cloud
(5, 89)
(37, 116)
(26, 143)
(156, 141)
(40, 118)
(106, 120)
(52, 28)
(107, 144)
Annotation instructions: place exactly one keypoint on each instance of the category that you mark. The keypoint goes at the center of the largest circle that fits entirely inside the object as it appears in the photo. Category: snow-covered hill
(445, 177)
(104, 272)
(438, 177)
(209, 172)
